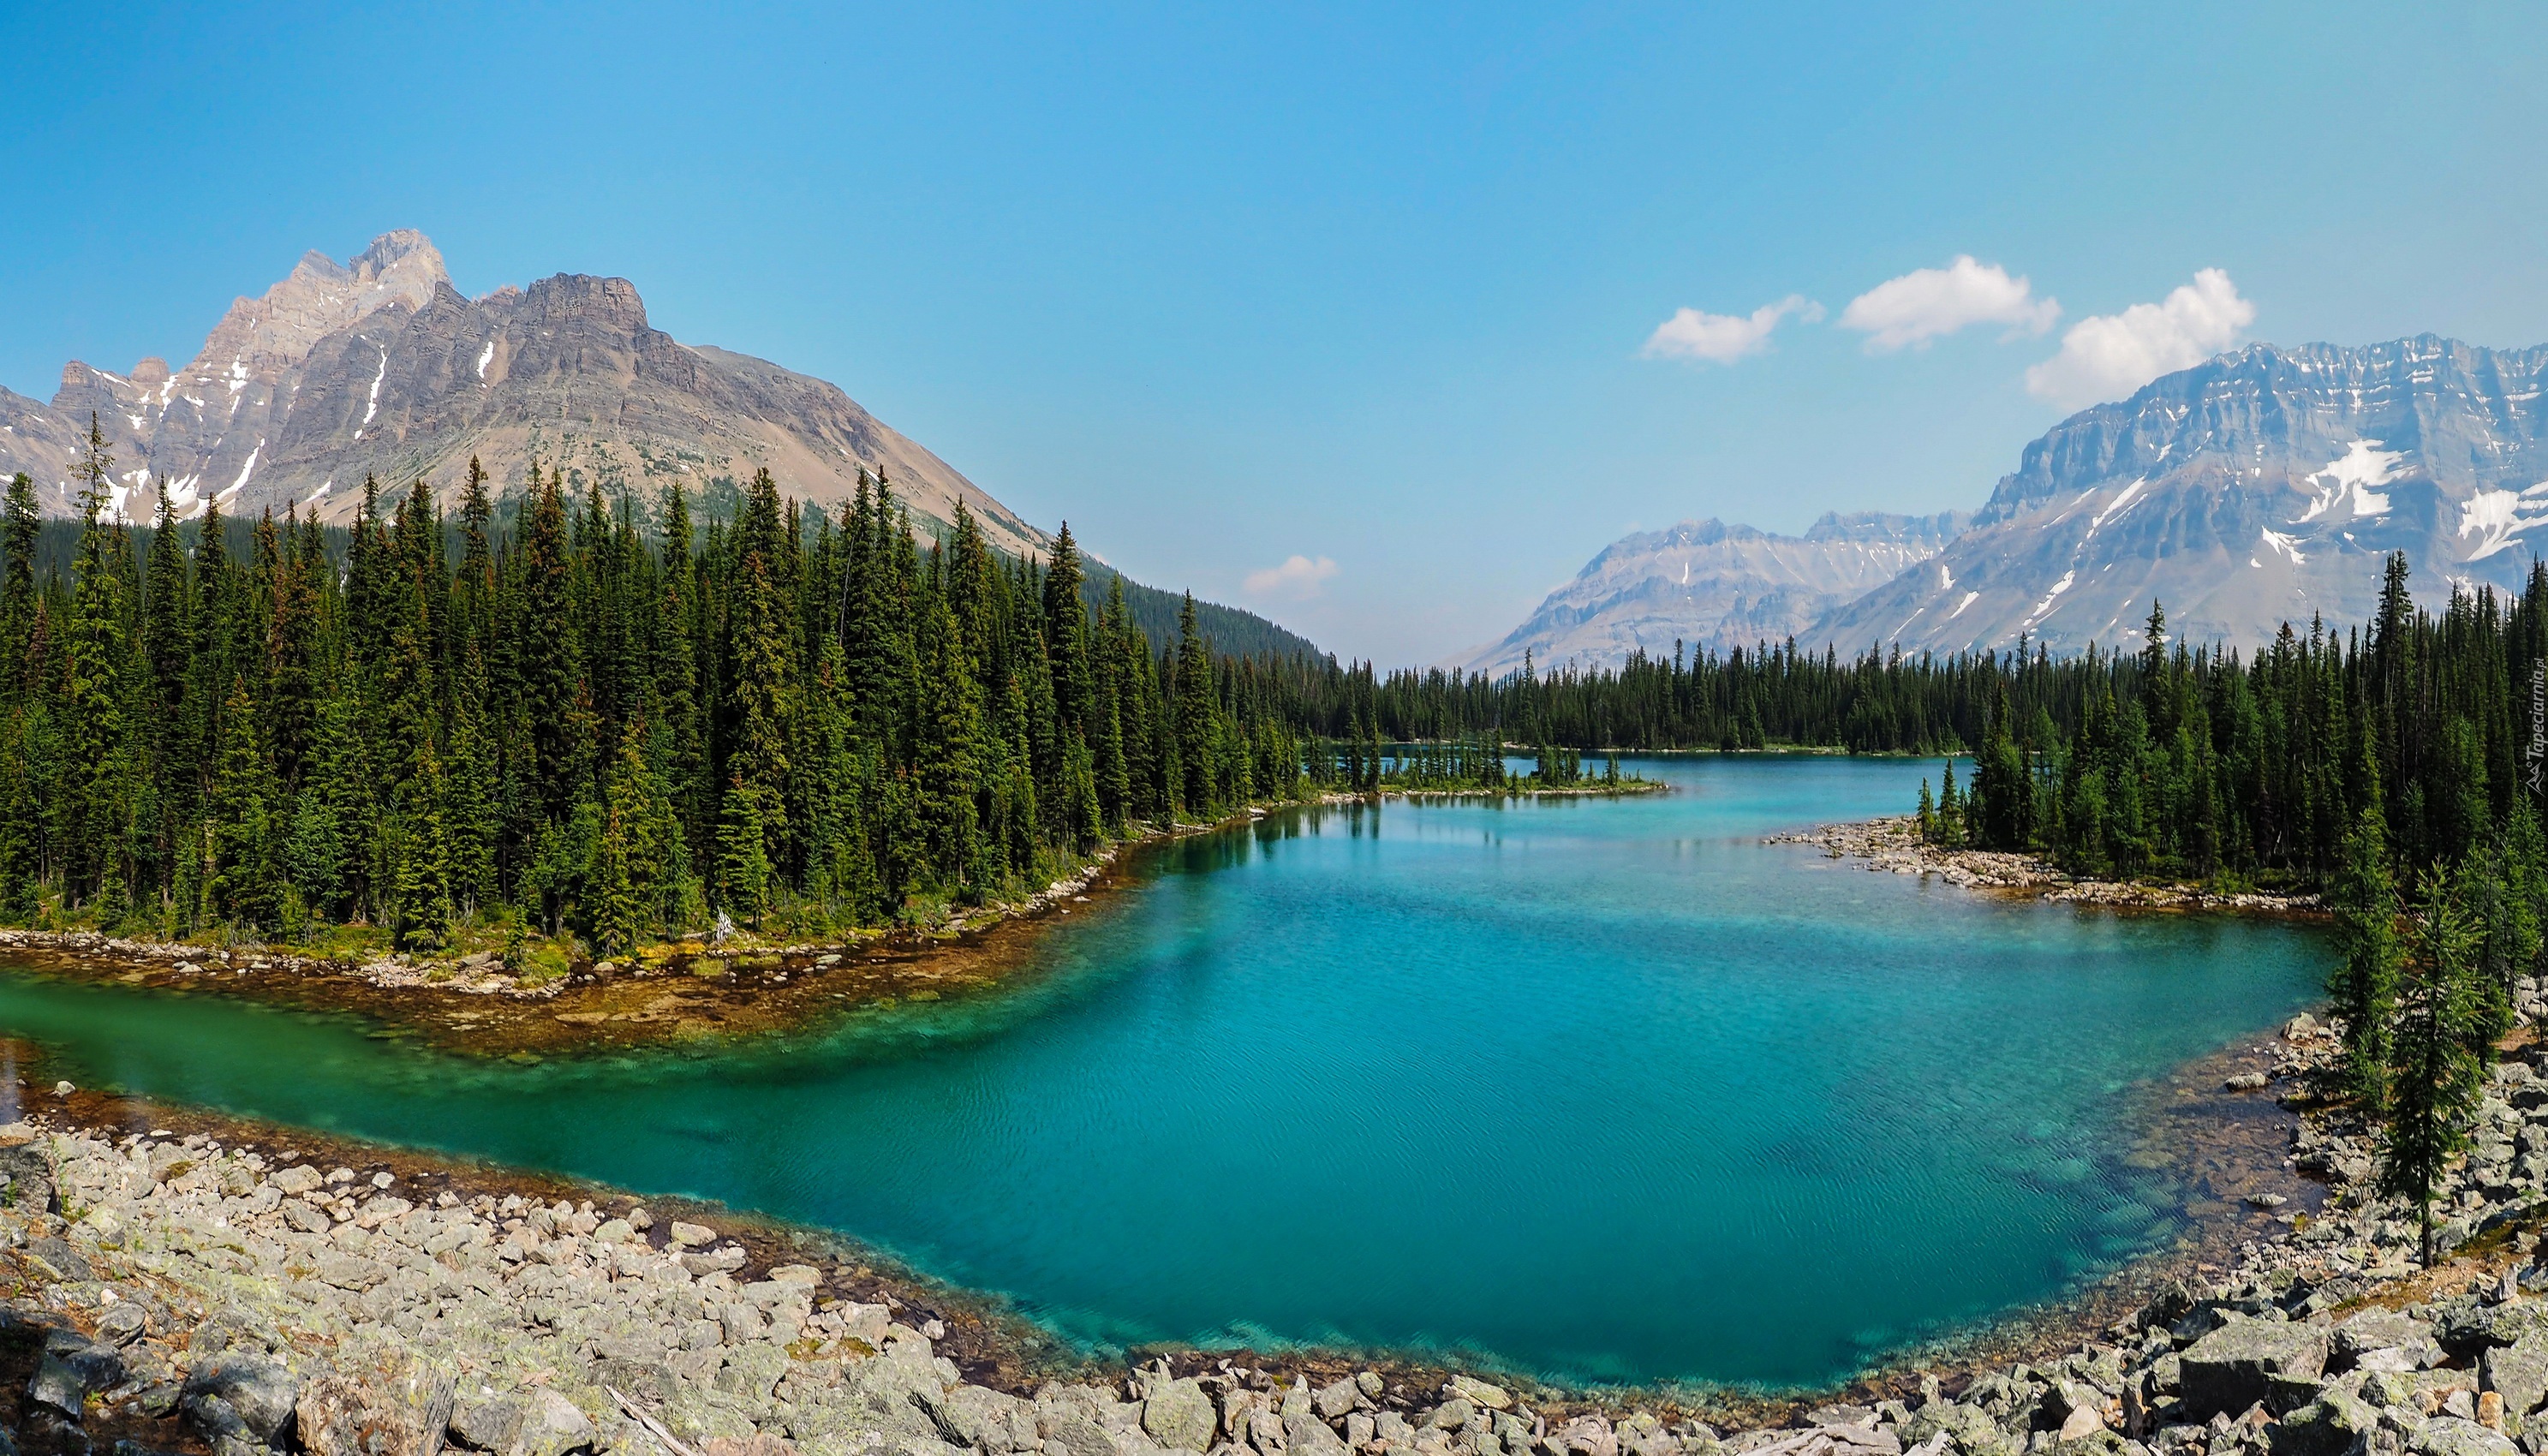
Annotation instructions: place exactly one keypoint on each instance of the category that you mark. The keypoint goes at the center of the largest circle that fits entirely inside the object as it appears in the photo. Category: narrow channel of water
(1609, 1090)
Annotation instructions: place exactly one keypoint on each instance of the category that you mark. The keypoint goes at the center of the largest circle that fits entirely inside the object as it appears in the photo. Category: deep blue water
(1604, 1089)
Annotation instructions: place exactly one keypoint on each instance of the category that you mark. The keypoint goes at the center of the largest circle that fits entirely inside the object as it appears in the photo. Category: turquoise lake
(1607, 1090)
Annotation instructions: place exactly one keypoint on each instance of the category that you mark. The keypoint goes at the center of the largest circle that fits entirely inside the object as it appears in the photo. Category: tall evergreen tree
(2438, 1062)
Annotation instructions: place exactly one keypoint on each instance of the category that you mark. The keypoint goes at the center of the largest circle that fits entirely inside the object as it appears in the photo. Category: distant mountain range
(1711, 585)
(2246, 492)
(2258, 487)
(378, 366)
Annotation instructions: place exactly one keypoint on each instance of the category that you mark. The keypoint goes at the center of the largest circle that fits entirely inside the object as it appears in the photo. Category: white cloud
(2107, 356)
(1927, 303)
(1298, 578)
(1724, 337)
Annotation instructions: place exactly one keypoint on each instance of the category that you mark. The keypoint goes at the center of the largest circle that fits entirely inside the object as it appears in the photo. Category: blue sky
(1378, 288)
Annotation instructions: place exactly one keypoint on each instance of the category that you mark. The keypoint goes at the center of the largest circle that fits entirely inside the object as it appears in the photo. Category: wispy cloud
(1927, 303)
(2107, 356)
(1724, 337)
(1298, 578)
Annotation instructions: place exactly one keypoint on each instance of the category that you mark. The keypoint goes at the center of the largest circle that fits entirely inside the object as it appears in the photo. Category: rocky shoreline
(1893, 844)
(189, 1290)
(671, 991)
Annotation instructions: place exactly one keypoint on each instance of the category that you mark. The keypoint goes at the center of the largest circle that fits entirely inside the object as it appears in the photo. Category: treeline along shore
(574, 729)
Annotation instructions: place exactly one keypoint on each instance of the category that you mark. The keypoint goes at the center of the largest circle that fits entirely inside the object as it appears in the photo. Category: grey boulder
(2375, 1330)
(2448, 1435)
(1179, 1416)
(2518, 1373)
(485, 1425)
(71, 1370)
(231, 1396)
(983, 1419)
(2336, 1423)
(58, 1256)
(123, 1323)
(1305, 1434)
(551, 1426)
(2250, 1361)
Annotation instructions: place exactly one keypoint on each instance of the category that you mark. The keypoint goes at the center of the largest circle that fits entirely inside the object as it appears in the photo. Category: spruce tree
(2437, 1065)
(241, 884)
(621, 876)
(20, 522)
(96, 656)
(743, 857)
(424, 908)
(2363, 986)
(1195, 714)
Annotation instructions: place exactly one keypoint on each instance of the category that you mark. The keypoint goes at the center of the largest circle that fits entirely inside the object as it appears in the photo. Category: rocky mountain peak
(610, 302)
(2257, 487)
(378, 366)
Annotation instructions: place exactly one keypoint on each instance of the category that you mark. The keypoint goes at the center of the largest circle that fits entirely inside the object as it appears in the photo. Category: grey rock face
(378, 366)
(231, 1395)
(1714, 585)
(2335, 1425)
(26, 1178)
(70, 1370)
(60, 1257)
(2248, 492)
(2252, 1360)
(2518, 1373)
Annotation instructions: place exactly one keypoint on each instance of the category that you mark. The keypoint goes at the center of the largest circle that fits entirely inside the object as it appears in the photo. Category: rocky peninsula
(1893, 844)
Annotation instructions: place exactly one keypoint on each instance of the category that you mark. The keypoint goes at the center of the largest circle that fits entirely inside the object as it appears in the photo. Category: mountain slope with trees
(786, 717)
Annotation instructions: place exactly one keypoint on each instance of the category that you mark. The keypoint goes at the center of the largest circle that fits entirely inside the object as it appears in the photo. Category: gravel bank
(1893, 844)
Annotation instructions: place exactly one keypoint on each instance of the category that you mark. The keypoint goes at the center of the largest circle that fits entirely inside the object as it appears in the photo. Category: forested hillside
(783, 716)
(577, 722)
(2189, 762)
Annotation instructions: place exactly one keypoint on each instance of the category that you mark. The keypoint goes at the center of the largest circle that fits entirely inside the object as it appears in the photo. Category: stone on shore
(1179, 1416)
(2251, 1362)
(230, 1396)
(1480, 1392)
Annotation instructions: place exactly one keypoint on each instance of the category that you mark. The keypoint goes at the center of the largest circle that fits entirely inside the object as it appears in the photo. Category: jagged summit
(379, 366)
(2257, 487)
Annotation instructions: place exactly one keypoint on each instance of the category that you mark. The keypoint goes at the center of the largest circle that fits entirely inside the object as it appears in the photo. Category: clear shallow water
(1605, 1089)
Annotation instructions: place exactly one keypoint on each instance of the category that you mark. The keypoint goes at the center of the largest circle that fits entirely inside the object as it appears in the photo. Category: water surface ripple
(1606, 1090)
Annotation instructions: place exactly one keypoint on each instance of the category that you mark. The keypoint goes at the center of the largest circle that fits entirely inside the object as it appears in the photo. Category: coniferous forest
(580, 727)
(2188, 763)
(575, 722)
